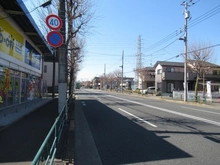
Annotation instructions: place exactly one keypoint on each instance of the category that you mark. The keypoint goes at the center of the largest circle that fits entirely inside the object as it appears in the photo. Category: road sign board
(54, 22)
(55, 39)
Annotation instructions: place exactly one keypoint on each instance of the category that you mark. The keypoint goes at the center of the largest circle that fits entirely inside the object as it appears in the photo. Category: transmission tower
(138, 61)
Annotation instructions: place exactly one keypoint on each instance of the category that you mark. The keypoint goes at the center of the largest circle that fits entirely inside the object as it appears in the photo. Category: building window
(159, 71)
(216, 72)
(45, 68)
(170, 69)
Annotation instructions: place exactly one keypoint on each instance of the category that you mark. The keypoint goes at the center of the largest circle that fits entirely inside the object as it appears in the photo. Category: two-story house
(169, 76)
(146, 77)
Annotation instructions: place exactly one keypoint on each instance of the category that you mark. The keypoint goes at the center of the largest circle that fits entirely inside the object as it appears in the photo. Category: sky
(118, 24)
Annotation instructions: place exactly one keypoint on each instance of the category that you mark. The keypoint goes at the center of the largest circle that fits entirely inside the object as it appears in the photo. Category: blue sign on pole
(55, 39)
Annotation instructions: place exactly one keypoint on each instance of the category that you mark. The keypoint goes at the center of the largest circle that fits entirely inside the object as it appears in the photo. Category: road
(129, 129)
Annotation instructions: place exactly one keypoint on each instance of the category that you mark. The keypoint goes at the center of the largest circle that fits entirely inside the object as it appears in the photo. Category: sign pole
(57, 39)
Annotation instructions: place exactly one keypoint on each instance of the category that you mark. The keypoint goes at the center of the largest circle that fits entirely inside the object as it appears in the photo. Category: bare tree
(198, 60)
(117, 74)
(110, 79)
(103, 80)
(79, 15)
(142, 74)
(74, 58)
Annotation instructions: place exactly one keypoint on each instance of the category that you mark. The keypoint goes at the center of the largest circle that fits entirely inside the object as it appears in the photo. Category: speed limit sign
(54, 22)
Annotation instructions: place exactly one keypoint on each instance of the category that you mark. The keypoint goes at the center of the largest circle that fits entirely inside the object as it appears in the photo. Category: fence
(47, 151)
(179, 95)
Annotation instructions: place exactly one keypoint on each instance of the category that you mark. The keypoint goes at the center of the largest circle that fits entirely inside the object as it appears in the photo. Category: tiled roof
(169, 63)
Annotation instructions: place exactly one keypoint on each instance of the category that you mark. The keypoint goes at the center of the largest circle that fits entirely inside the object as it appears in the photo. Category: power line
(165, 39)
(198, 20)
(164, 46)
(204, 16)
(212, 46)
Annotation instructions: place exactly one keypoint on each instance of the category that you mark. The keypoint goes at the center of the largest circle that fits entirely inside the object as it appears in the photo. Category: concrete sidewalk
(77, 147)
(11, 114)
(25, 130)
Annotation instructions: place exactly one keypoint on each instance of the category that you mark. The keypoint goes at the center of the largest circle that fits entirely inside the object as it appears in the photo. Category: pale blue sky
(121, 22)
(118, 23)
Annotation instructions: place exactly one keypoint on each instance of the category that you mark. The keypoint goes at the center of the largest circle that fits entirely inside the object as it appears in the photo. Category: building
(169, 76)
(22, 50)
(146, 77)
(51, 66)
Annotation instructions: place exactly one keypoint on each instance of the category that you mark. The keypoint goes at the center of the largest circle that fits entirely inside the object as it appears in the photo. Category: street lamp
(46, 3)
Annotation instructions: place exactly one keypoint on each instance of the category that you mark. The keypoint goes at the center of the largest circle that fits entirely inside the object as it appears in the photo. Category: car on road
(149, 90)
(120, 89)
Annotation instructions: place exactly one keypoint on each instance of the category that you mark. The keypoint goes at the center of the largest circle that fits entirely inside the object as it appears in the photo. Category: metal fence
(47, 151)
(179, 95)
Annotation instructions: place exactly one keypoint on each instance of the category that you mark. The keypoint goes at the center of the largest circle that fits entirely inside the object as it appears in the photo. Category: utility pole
(62, 59)
(186, 14)
(54, 71)
(104, 76)
(122, 65)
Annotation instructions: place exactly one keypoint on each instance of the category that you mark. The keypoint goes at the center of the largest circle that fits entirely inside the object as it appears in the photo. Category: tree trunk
(71, 80)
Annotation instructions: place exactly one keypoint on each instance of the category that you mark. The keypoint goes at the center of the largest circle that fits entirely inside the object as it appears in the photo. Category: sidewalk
(9, 115)
(77, 146)
(24, 131)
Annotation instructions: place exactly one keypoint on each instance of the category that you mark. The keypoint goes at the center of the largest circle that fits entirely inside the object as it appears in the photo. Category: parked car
(120, 88)
(149, 90)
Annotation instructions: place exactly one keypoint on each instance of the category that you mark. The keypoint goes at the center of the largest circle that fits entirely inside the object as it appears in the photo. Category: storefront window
(12, 92)
(2, 99)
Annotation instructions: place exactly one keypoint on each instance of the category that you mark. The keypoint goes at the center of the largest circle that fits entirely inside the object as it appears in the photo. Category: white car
(149, 90)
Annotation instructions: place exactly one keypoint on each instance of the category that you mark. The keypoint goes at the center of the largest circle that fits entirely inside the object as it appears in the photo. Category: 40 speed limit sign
(54, 22)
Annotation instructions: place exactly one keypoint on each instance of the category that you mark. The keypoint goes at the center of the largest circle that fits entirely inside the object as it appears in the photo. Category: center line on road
(138, 118)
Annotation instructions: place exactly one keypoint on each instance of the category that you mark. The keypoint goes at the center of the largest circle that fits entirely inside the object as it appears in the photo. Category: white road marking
(173, 112)
(98, 98)
(138, 118)
(216, 113)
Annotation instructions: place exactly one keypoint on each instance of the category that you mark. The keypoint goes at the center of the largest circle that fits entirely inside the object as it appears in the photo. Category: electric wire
(204, 16)
(192, 23)
(208, 47)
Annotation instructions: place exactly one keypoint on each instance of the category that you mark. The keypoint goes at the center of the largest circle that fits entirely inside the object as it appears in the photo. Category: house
(169, 76)
(146, 77)
(112, 83)
(50, 73)
(96, 83)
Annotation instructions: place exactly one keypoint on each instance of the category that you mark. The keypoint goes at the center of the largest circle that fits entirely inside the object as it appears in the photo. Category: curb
(85, 148)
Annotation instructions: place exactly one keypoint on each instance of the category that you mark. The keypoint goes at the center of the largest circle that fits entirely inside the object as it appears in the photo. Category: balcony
(178, 76)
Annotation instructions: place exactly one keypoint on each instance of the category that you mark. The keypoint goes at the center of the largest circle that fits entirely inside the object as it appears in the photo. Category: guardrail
(47, 151)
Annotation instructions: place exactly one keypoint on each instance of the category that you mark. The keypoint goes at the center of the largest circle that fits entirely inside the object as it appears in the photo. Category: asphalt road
(139, 130)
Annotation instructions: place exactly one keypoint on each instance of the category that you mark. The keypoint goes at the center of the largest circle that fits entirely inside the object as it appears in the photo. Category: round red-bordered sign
(54, 22)
(55, 39)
